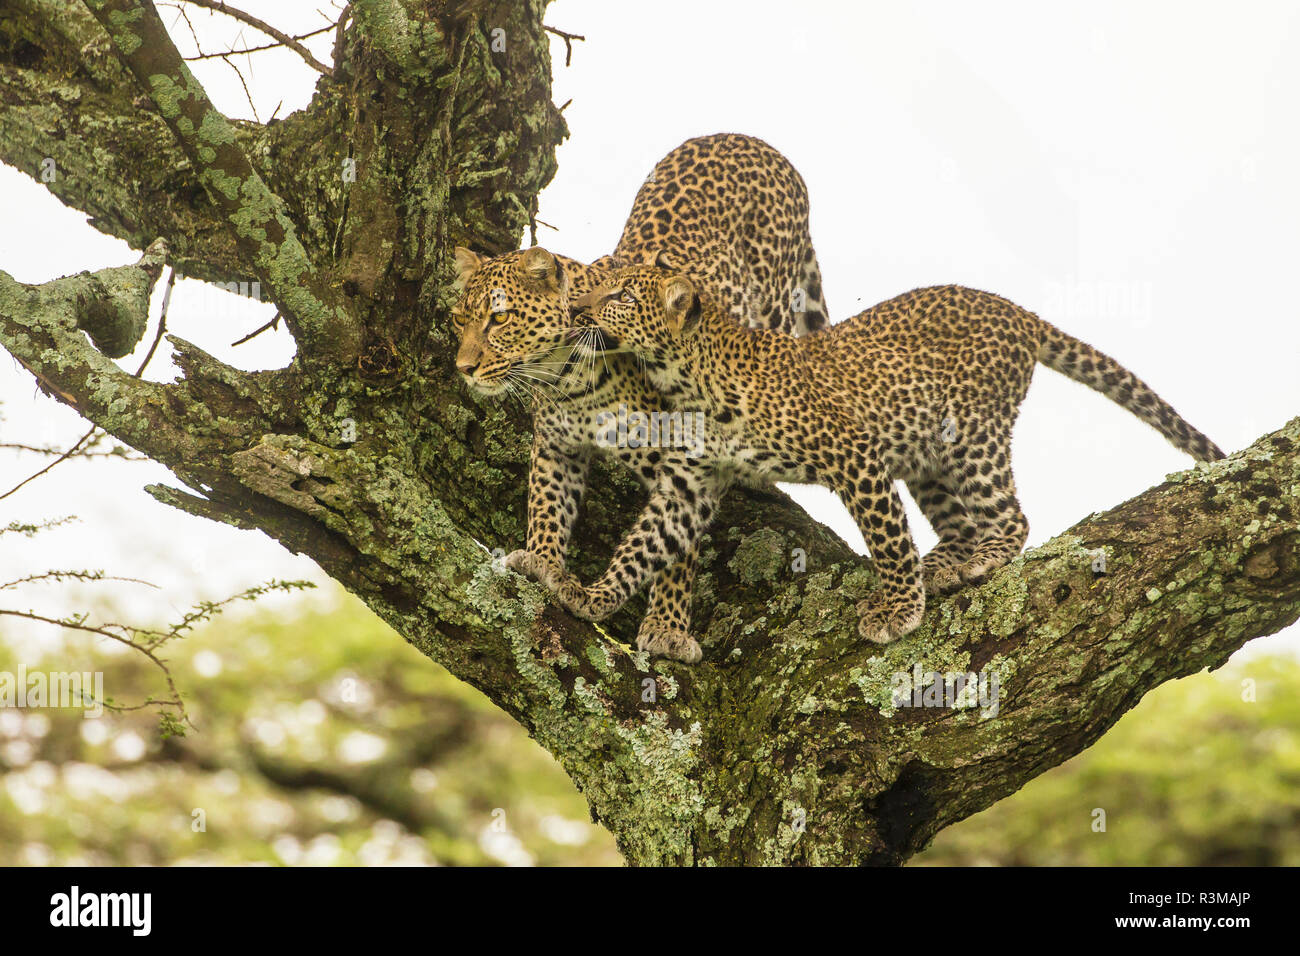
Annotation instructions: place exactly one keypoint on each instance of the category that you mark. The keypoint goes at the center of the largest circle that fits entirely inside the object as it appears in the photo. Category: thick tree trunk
(788, 743)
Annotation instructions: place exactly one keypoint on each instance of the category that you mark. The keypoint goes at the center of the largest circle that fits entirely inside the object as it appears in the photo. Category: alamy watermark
(955, 690)
(1079, 298)
(133, 911)
(625, 428)
(37, 689)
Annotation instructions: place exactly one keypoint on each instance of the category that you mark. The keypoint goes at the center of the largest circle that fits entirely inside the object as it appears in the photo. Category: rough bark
(786, 744)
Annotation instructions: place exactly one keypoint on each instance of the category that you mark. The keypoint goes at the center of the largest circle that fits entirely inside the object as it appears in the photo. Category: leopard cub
(924, 387)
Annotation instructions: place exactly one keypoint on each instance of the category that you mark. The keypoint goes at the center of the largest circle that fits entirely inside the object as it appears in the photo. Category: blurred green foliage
(1195, 775)
(322, 738)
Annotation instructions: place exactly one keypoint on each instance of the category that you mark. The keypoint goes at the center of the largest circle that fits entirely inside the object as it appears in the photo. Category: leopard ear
(467, 263)
(682, 303)
(537, 263)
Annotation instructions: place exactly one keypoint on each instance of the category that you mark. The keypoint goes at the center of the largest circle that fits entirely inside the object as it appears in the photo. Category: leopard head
(511, 319)
(647, 311)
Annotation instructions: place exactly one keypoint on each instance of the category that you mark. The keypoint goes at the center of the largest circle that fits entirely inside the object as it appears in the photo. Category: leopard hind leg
(936, 496)
(988, 491)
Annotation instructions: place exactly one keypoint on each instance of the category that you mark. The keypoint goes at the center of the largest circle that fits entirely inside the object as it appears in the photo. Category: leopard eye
(498, 318)
(458, 321)
(626, 297)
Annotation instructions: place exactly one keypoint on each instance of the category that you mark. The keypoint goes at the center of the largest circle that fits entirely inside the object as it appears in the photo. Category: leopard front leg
(556, 480)
(683, 502)
(898, 604)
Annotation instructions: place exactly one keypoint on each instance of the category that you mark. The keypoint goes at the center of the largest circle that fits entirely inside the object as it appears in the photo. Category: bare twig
(247, 95)
(283, 38)
(162, 321)
(259, 49)
(568, 41)
(64, 457)
(256, 332)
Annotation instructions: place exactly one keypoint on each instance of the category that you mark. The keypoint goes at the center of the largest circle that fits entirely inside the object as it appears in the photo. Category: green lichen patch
(761, 556)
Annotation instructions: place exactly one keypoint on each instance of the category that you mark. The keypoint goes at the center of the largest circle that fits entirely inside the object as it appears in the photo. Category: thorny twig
(30, 530)
(147, 641)
(83, 576)
(283, 38)
(186, 17)
(117, 451)
(247, 95)
(259, 49)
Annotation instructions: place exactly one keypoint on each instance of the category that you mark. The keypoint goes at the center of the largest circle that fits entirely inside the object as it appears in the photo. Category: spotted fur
(925, 388)
(730, 212)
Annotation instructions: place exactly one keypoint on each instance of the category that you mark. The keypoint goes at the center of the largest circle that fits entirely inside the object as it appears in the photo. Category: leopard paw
(941, 572)
(588, 604)
(977, 570)
(941, 580)
(668, 642)
(545, 571)
(882, 620)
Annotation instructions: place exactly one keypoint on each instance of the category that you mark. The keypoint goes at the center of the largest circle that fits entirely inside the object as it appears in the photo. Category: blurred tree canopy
(322, 740)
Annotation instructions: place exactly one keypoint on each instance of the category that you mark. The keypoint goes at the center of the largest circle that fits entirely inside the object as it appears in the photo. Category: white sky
(1125, 170)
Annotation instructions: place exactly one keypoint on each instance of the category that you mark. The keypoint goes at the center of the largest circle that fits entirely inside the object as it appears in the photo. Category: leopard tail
(817, 316)
(1081, 362)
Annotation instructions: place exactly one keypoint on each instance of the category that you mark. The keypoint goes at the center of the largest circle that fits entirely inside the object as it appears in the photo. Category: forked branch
(256, 216)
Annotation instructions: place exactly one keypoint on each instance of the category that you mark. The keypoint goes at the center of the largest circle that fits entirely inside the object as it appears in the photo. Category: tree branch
(71, 121)
(789, 743)
(256, 216)
(42, 327)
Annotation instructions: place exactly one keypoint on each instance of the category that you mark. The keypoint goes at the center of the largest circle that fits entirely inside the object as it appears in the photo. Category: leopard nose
(591, 301)
(466, 367)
